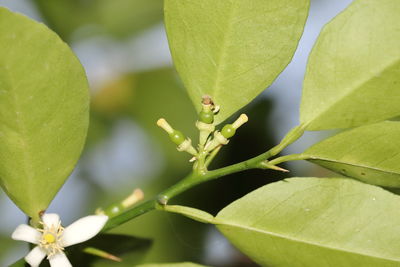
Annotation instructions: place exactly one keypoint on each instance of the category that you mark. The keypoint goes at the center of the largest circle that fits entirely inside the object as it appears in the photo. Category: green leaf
(43, 111)
(353, 73)
(232, 50)
(316, 222)
(369, 153)
(183, 264)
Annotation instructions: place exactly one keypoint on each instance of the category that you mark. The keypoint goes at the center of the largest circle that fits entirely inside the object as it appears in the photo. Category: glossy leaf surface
(369, 153)
(353, 73)
(43, 111)
(232, 50)
(315, 222)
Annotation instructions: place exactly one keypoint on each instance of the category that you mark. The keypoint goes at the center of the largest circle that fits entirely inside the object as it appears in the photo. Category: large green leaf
(43, 111)
(316, 222)
(232, 50)
(370, 153)
(353, 73)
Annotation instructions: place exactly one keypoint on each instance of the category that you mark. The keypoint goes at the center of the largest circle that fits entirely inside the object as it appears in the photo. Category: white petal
(83, 229)
(51, 219)
(35, 257)
(26, 233)
(59, 260)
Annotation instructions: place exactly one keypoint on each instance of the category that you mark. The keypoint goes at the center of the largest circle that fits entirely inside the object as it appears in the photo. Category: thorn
(267, 165)
(277, 168)
(113, 257)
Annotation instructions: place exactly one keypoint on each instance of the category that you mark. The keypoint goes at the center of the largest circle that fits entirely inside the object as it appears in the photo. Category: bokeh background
(123, 47)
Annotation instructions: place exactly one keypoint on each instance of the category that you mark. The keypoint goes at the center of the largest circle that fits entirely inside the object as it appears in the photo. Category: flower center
(49, 238)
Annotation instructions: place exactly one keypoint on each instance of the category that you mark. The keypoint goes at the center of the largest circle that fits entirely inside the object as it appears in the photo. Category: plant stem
(288, 158)
(200, 168)
(212, 155)
(130, 214)
(188, 182)
(198, 177)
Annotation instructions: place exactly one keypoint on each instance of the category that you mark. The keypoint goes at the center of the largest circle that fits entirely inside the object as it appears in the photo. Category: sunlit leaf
(43, 111)
(316, 222)
(370, 153)
(232, 50)
(353, 73)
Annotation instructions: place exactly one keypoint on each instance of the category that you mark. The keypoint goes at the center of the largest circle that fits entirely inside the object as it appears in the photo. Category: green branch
(196, 178)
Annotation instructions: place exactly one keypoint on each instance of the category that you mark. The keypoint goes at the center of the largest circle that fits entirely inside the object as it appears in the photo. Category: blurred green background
(123, 47)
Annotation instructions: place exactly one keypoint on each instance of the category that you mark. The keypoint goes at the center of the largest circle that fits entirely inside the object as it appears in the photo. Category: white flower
(53, 238)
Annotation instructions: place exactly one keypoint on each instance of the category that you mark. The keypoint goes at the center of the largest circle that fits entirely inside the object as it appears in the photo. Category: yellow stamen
(50, 238)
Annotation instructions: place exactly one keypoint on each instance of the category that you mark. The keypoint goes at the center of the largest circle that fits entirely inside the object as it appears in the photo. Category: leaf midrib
(223, 51)
(308, 242)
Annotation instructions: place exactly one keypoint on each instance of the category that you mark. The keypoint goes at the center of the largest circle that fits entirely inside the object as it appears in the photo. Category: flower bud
(229, 130)
(183, 143)
(176, 136)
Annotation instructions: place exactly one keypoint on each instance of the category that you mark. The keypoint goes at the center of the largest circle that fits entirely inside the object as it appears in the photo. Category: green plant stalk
(289, 158)
(212, 155)
(130, 214)
(186, 183)
(200, 167)
(196, 178)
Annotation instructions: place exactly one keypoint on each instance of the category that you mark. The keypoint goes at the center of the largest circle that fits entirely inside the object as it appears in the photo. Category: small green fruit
(228, 131)
(206, 116)
(177, 137)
